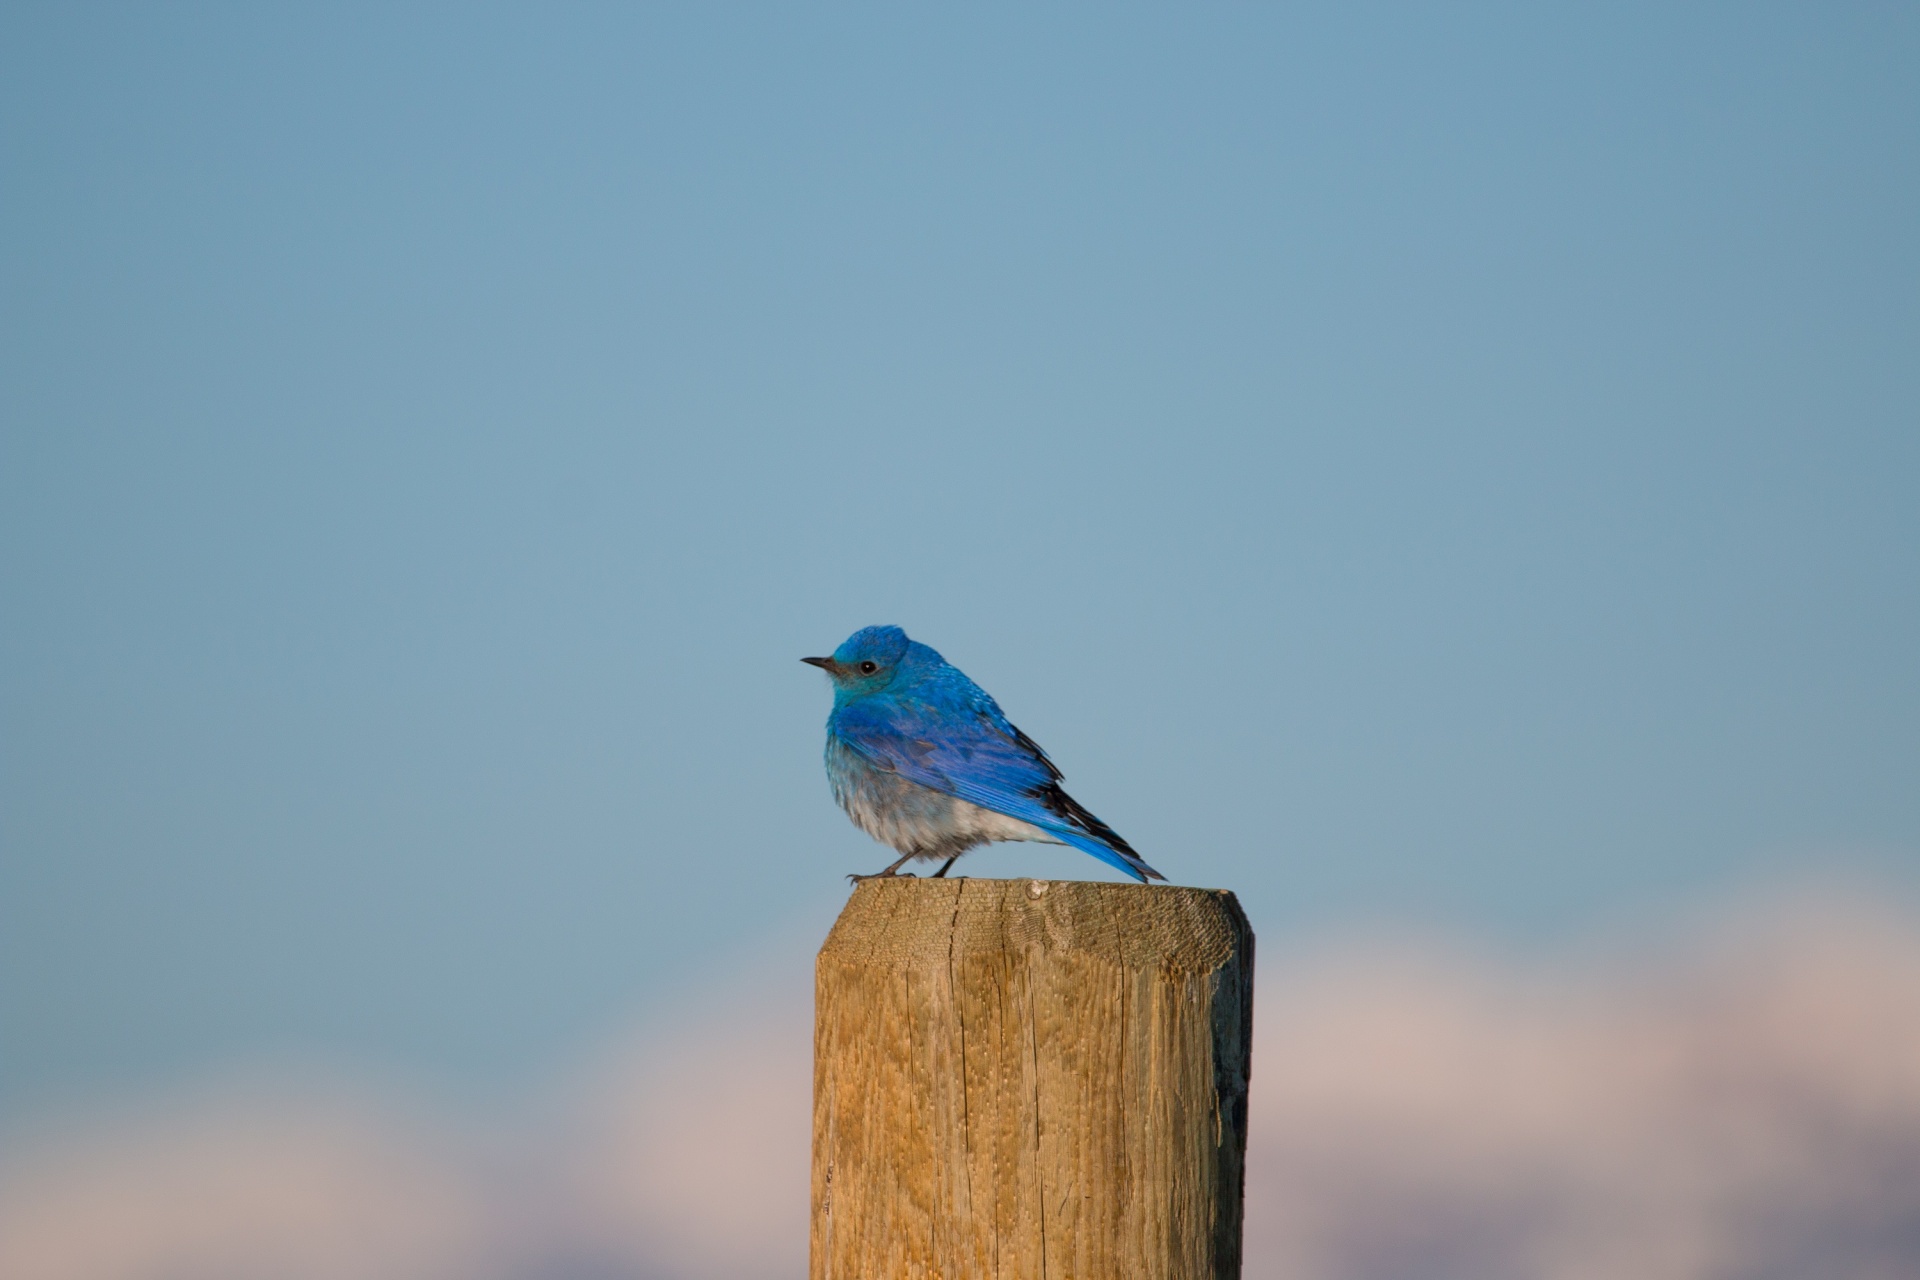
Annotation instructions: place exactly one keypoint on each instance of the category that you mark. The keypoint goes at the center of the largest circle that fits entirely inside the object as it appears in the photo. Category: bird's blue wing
(980, 757)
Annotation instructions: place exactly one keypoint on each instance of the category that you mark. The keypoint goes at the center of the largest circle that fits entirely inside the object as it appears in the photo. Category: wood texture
(1029, 1078)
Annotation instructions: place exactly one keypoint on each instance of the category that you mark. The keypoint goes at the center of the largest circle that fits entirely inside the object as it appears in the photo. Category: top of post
(904, 920)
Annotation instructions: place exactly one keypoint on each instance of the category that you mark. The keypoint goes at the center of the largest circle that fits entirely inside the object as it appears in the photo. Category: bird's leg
(944, 866)
(892, 870)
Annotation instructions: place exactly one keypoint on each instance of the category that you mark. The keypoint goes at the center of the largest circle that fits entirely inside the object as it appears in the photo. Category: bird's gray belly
(913, 819)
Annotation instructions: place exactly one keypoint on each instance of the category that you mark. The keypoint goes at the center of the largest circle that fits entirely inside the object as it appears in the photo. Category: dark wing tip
(1072, 812)
(1033, 749)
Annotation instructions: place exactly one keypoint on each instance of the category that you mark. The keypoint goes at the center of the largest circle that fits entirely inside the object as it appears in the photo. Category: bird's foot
(888, 874)
(893, 870)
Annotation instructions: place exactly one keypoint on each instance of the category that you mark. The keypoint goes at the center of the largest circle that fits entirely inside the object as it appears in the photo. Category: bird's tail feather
(1131, 863)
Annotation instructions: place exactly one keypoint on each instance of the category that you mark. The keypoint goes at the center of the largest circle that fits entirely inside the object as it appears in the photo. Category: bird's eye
(868, 667)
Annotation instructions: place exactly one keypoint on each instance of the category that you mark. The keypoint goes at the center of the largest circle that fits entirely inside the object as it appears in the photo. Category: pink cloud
(690, 1155)
(300, 1186)
(1746, 1105)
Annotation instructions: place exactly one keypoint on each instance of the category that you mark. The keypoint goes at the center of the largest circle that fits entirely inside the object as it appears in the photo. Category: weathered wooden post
(1030, 1078)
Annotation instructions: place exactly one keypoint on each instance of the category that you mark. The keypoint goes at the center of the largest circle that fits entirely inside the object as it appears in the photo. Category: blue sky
(1432, 466)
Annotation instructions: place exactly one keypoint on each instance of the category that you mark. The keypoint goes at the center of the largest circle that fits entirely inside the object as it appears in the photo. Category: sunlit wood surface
(1025, 1078)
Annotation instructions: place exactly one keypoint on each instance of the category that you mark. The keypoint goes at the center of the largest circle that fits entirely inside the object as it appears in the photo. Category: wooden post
(1030, 1078)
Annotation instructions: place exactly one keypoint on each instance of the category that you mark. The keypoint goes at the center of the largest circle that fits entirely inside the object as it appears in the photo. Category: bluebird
(922, 759)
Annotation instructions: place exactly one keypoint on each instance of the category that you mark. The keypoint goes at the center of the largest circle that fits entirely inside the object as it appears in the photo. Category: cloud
(1743, 1103)
(1746, 1106)
(690, 1153)
(258, 1183)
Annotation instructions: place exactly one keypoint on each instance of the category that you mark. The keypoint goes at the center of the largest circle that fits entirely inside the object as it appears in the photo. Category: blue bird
(922, 759)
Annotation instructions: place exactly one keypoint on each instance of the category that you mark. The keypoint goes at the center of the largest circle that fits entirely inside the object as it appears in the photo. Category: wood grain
(1024, 1078)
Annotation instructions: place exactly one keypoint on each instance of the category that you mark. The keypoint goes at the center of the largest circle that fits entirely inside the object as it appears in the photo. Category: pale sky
(1409, 465)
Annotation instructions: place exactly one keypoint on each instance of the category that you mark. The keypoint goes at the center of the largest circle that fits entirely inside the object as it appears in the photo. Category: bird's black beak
(825, 664)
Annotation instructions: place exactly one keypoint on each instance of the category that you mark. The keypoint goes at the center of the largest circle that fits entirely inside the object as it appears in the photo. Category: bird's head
(867, 662)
